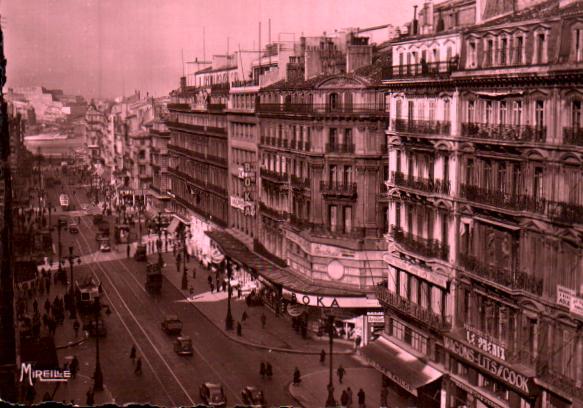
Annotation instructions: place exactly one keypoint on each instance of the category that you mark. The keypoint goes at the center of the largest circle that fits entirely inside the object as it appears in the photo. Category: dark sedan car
(213, 395)
(253, 396)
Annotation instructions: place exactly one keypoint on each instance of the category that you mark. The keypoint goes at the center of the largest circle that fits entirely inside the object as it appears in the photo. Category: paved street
(169, 379)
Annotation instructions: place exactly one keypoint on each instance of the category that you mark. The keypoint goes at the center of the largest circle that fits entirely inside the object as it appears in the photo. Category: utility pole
(8, 354)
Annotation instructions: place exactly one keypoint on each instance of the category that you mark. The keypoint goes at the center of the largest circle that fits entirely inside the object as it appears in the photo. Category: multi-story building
(198, 151)
(158, 199)
(485, 244)
(318, 165)
(95, 130)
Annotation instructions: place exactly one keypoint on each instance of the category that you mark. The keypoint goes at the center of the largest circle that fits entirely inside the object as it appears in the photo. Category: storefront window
(407, 335)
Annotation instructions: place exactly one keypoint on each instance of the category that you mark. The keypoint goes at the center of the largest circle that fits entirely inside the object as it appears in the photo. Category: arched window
(333, 102)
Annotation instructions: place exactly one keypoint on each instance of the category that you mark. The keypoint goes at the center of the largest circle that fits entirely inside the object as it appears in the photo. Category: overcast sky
(110, 47)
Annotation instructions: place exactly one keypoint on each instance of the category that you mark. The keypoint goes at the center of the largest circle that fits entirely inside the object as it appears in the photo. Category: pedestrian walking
(349, 393)
(218, 283)
(263, 320)
(384, 396)
(76, 327)
(340, 372)
(90, 397)
(244, 316)
(133, 353)
(74, 366)
(47, 306)
(268, 370)
(138, 369)
(239, 292)
(262, 370)
(239, 329)
(212, 287)
(344, 398)
(361, 398)
(297, 377)
(322, 357)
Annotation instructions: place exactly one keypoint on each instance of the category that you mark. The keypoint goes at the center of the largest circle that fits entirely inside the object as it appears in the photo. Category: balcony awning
(173, 225)
(399, 365)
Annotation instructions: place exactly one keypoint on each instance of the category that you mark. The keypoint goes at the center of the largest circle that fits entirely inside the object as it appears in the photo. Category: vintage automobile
(213, 395)
(171, 325)
(183, 346)
(253, 396)
(141, 254)
(154, 278)
(104, 246)
(73, 227)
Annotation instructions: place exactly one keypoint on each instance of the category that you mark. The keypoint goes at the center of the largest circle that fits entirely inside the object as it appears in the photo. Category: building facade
(485, 251)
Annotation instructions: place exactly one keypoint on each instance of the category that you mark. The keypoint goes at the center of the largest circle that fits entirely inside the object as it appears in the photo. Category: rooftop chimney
(414, 25)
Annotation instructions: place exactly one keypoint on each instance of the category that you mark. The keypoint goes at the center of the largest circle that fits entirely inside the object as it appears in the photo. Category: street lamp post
(71, 258)
(229, 318)
(330, 401)
(97, 375)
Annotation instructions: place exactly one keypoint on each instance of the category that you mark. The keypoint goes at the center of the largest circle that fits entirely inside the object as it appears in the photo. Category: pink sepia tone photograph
(305, 203)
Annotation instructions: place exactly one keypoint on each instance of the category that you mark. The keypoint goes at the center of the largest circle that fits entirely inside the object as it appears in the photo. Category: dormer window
(578, 44)
(519, 50)
(333, 102)
(541, 52)
(472, 54)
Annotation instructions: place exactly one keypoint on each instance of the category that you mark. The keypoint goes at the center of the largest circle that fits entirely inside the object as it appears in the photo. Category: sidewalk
(313, 390)
(277, 335)
(73, 391)
(65, 341)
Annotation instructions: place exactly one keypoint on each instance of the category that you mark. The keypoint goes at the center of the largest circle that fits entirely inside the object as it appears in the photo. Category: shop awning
(237, 251)
(399, 365)
(173, 225)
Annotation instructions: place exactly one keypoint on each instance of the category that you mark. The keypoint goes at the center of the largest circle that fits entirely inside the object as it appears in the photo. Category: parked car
(253, 396)
(183, 346)
(172, 325)
(97, 219)
(73, 227)
(213, 395)
(104, 246)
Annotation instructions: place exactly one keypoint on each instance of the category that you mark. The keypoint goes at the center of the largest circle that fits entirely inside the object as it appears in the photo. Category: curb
(73, 343)
(288, 389)
(255, 345)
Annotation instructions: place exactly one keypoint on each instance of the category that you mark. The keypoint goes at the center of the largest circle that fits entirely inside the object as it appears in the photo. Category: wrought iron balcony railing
(273, 175)
(426, 69)
(573, 136)
(420, 183)
(514, 133)
(498, 198)
(339, 147)
(299, 222)
(511, 278)
(299, 182)
(565, 212)
(426, 127)
(428, 248)
(338, 188)
(278, 215)
(323, 109)
(433, 320)
(339, 232)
